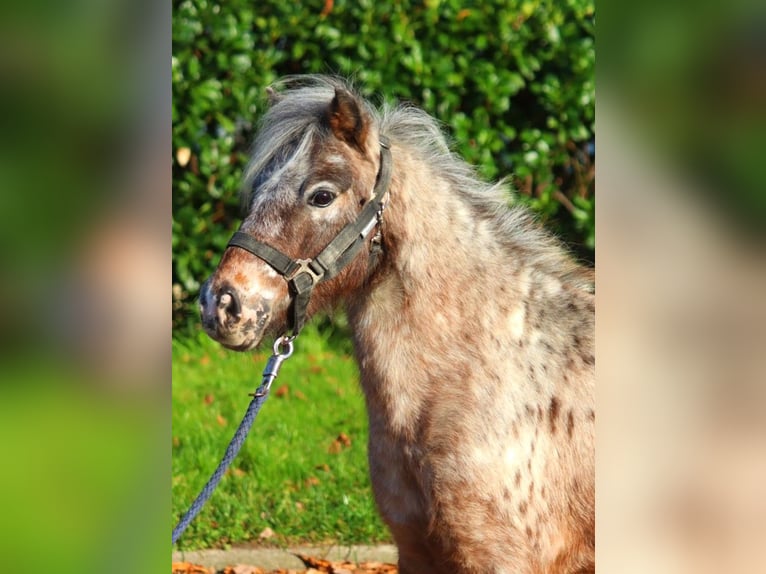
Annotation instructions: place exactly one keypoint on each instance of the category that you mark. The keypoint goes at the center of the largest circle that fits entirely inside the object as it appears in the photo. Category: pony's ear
(273, 95)
(347, 120)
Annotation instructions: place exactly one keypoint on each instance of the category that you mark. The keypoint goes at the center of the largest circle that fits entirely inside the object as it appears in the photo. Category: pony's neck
(425, 292)
(430, 233)
(433, 240)
(463, 281)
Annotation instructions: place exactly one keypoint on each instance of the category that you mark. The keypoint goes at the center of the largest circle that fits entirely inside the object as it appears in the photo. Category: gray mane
(290, 125)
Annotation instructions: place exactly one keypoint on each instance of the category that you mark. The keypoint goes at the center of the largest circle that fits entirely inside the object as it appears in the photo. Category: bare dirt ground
(303, 560)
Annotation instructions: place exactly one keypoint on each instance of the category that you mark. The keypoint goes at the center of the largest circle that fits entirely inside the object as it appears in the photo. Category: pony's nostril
(229, 303)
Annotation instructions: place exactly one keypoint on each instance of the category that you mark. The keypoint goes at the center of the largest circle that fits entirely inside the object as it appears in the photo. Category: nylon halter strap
(302, 275)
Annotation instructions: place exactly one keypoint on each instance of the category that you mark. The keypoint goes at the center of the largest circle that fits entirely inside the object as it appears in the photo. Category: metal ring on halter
(282, 341)
(271, 370)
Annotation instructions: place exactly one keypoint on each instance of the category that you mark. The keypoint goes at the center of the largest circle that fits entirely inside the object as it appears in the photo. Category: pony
(473, 328)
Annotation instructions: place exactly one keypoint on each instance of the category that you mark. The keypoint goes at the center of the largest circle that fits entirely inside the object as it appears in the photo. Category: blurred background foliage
(512, 82)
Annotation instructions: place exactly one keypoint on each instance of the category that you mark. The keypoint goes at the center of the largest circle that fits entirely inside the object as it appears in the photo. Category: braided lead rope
(270, 373)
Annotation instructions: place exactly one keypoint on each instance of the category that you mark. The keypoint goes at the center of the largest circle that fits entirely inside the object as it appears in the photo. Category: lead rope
(283, 348)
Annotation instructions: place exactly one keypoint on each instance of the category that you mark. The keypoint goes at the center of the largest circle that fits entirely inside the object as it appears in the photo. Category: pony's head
(313, 170)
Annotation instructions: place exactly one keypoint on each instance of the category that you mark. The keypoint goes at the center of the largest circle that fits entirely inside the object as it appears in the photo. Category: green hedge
(512, 82)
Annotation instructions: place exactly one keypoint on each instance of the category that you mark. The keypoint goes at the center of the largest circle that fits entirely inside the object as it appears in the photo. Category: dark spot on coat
(570, 424)
(553, 413)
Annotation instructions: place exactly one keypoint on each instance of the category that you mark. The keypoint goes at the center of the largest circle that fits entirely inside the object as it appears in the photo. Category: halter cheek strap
(302, 275)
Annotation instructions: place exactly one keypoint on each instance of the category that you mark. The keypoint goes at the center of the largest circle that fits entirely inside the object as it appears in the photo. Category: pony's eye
(322, 198)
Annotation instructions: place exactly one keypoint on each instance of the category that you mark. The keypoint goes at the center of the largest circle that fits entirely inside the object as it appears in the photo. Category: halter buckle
(307, 266)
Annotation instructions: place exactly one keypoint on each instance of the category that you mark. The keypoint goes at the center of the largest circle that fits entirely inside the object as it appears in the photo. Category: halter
(302, 275)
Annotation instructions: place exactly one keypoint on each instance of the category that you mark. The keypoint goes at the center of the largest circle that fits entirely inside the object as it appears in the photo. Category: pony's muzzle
(230, 317)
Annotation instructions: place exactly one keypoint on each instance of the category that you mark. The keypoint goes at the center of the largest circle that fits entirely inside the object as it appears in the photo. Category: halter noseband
(302, 275)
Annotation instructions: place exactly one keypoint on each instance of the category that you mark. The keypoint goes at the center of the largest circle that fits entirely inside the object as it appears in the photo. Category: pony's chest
(398, 478)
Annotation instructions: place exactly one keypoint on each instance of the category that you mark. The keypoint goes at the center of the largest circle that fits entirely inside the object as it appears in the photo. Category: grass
(294, 475)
